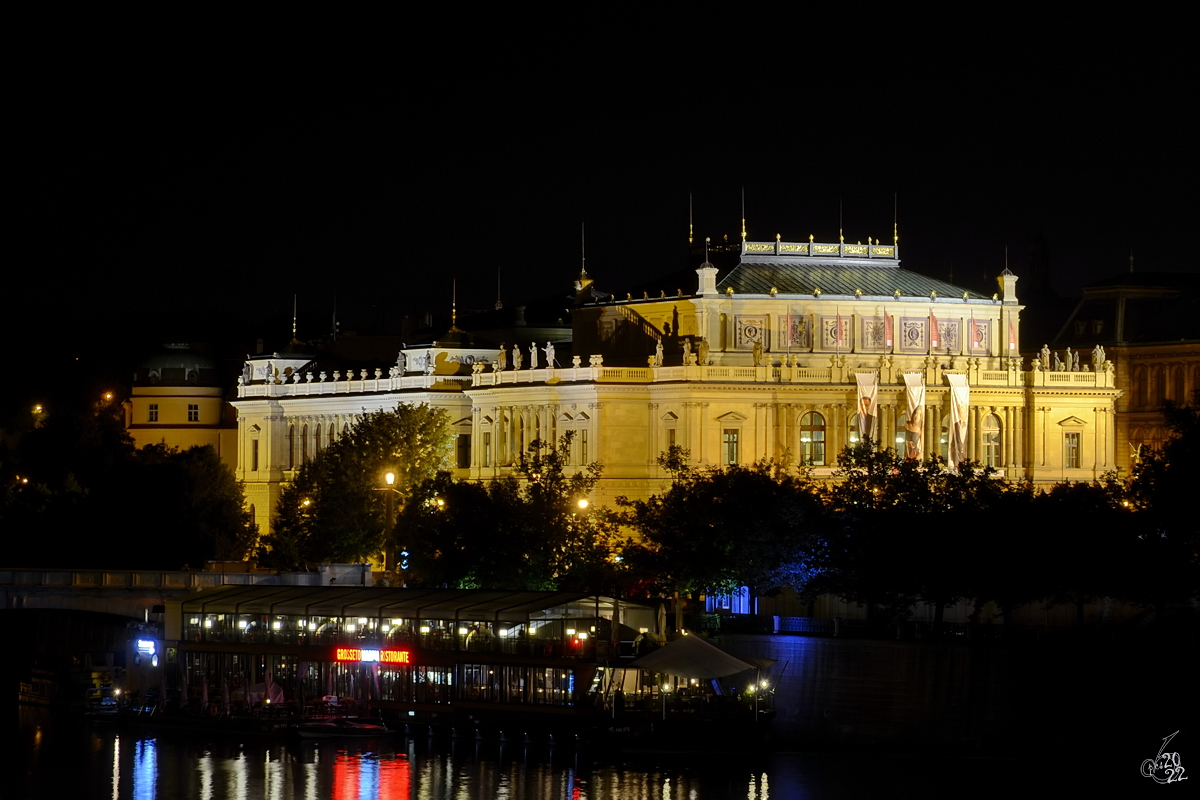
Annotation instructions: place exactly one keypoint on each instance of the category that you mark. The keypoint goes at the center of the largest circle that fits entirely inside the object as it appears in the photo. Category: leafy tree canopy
(334, 511)
(716, 529)
(536, 529)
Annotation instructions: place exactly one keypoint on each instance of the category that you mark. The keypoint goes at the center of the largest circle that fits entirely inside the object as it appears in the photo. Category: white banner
(868, 405)
(960, 409)
(914, 441)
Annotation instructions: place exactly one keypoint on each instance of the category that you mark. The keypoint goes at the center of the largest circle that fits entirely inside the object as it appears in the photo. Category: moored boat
(341, 726)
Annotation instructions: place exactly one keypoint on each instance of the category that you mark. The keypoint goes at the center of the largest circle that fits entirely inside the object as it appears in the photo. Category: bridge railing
(111, 579)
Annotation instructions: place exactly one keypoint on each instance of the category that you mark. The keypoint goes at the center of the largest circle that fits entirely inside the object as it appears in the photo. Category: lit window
(1071, 450)
(583, 451)
(153, 413)
(991, 441)
(729, 446)
(487, 448)
(812, 440)
(193, 412)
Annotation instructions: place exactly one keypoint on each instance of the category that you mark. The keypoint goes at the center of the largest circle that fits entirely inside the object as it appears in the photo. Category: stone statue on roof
(533, 353)
(1045, 357)
(401, 362)
(501, 359)
(702, 349)
(1097, 358)
(549, 351)
(518, 359)
(658, 353)
(758, 353)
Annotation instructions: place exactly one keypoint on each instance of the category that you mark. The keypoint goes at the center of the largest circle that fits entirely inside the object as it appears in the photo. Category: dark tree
(335, 509)
(715, 530)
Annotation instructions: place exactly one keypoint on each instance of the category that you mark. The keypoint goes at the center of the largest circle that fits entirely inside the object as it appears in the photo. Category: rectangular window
(254, 455)
(729, 444)
(487, 449)
(193, 412)
(1071, 450)
(464, 451)
(583, 454)
(670, 438)
(153, 412)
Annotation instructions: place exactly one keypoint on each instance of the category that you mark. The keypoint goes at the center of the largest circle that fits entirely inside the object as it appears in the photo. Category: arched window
(812, 440)
(944, 439)
(991, 441)
(331, 433)
(304, 444)
(1177, 393)
(320, 439)
(852, 435)
(291, 446)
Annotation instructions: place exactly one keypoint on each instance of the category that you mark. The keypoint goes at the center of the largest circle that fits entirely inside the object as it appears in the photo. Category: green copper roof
(799, 278)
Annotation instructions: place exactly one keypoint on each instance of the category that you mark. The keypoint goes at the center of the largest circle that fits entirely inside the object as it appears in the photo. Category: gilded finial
(774, 291)
(778, 237)
(628, 296)
(858, 292)
(729, 291)
(817, 292)
(965, 295)
(810, 238)
(896, 294)
(933, 294)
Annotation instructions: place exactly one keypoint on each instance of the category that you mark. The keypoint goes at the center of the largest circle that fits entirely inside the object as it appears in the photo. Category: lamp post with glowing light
(389, 534)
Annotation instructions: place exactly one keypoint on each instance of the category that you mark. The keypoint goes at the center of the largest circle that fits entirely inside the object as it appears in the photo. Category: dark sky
(187, 191)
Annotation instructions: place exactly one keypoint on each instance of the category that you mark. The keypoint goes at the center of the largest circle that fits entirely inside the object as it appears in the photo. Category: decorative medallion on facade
(748, 329)
(836, 332)
(979, 336)
(914, 334)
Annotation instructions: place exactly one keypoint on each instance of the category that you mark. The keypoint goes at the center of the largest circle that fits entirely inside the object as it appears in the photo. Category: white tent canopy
(693, 658)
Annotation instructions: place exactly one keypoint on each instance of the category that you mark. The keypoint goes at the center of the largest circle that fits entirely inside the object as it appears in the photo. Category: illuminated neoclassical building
(798, 351)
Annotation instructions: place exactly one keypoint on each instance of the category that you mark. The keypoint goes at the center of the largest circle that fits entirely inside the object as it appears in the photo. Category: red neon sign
(371, 656)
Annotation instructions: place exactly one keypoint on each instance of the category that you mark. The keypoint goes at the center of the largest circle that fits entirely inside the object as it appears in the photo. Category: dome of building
(177, 365)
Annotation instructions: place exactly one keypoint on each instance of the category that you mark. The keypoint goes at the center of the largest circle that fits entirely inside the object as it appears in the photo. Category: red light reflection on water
(358, 777)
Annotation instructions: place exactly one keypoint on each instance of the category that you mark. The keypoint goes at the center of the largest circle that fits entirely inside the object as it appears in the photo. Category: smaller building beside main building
(178, 397)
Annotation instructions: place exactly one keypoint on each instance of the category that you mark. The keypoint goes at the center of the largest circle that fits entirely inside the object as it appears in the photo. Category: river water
(61, 756)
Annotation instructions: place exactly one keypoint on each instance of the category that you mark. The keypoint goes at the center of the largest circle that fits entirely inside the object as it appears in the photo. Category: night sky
(185, 192)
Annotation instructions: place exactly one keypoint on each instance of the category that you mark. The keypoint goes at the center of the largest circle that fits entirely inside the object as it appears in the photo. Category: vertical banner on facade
(868, 404)
(914, 441)
(933, 331)
(1012, 336)
(960, 404)
(887, 327)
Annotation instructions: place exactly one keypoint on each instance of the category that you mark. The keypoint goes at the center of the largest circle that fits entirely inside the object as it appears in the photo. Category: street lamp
(389, 546)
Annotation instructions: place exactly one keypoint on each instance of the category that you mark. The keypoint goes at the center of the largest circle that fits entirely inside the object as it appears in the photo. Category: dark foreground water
(64, 757)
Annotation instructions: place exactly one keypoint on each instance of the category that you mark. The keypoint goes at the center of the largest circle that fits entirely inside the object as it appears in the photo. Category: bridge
(135, 593)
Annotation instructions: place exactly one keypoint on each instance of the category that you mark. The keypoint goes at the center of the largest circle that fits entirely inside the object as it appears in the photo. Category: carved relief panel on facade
(874, 333)
(836, 332)
(914, 334)
(979, 336)
(797, 332)
(748, 329)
